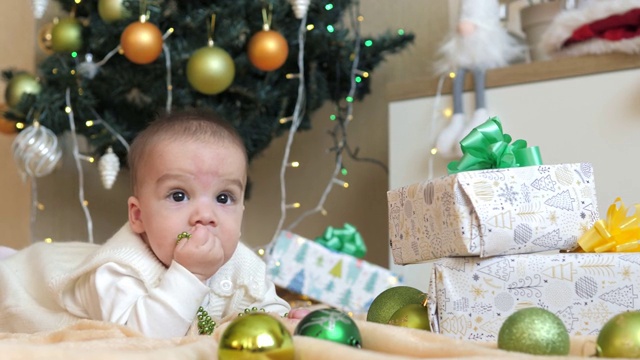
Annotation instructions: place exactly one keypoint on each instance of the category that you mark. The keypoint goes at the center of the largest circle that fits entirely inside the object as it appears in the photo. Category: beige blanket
(99, 340)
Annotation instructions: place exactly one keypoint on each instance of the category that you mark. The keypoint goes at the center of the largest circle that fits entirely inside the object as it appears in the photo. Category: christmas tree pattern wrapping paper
(339, 280)
(470, 298)
(492, 212)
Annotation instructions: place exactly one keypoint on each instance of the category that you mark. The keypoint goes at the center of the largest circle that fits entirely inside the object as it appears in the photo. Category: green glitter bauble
(332, 325)
(534, 331)
(620, 336)
(391, 300)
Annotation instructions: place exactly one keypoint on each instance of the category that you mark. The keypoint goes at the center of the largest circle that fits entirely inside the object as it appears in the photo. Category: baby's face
(191, 186)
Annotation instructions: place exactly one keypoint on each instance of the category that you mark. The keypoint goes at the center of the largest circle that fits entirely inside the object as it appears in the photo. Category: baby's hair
(183, 125)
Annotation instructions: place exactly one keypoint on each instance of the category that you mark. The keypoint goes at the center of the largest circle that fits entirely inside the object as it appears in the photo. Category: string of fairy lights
(343, 116)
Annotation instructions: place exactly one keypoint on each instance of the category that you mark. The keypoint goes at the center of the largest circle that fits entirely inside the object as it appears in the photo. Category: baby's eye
(223, 198)
(178, 196)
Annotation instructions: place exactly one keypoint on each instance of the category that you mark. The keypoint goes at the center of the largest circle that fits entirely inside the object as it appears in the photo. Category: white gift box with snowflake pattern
(470, 298)
(336, 279)
(492, 212)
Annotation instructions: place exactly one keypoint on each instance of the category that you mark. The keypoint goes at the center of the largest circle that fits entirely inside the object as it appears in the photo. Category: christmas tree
(105, 69)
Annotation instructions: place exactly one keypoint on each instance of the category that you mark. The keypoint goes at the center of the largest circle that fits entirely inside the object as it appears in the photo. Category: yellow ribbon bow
(620, 232)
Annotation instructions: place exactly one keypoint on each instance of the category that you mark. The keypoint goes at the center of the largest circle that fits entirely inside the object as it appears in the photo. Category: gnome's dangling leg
(480, 115)
(447, 142)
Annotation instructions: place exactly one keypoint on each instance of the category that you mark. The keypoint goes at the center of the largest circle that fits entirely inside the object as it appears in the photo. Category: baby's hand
(201, 253)
(298, 313)
(466, 27)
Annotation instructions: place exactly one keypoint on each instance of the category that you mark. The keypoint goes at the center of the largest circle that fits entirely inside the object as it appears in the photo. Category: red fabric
(612, 28)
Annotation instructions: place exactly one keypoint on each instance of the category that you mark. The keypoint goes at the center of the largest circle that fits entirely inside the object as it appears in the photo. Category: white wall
(592, 119)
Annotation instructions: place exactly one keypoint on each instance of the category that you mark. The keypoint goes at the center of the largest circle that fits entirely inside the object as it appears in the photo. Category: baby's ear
(135, 215)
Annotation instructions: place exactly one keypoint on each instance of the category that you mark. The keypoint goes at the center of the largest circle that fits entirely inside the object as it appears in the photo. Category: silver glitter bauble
(36, 150)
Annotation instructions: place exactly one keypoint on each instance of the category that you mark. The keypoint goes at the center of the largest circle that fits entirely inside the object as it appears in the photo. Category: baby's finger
(182, 239)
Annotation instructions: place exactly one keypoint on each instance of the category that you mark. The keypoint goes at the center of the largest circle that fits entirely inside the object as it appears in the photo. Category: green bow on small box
(346, 240)
(487, 147)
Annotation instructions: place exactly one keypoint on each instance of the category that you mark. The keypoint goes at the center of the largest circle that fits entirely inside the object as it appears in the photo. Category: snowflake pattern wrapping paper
(470, 298)
(492, 212)
(339, 280)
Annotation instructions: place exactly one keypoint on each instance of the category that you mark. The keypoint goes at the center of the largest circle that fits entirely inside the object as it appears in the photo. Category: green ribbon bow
(346, 240)
(487, 147)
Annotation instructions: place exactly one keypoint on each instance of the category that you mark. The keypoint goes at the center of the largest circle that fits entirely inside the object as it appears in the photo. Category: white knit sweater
(37, 283)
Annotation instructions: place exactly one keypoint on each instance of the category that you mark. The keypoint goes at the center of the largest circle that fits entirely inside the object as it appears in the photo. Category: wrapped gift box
(336, 279)
(492, 212)
(469, 298)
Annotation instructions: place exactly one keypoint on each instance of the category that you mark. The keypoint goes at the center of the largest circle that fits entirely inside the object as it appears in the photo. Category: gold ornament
(267, 50)
(36, 150)
(6, 126)
(620, 337)
(210, 70)
(255, 336)
(141, 42)
(66, 35)
(415, 316)
(19, 85)
(44, 38)
(109, 167)
(112, 10)
(534, 331)
(391, 300)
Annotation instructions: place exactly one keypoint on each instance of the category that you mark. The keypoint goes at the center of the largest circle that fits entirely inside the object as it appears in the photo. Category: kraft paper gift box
(492, 212)
(336, 279)
(470, 298)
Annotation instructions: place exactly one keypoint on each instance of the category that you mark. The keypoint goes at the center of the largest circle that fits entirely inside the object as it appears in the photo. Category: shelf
(520, 74)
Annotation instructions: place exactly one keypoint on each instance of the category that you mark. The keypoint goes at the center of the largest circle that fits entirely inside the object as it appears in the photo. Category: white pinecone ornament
(300, 7)
(39, 8)
(109, 166)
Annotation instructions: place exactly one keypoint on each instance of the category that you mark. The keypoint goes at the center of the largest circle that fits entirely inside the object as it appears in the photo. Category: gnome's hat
(594, 27)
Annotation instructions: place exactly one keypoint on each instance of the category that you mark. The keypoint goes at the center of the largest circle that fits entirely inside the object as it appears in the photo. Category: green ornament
(391, 300)
(66, 35)
(620, 337)
(210, 70)
(415, 316)
(534, 331)
(332, 325)
(256, 336)
(112, 10)
(21, 84)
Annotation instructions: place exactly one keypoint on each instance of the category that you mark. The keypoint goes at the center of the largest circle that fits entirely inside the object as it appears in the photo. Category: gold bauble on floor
(255, 336)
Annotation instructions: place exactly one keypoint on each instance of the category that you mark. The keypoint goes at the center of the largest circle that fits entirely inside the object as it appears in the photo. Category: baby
(177, 260)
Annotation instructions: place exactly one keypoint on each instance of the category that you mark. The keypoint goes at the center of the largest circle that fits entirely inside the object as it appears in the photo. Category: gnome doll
(478, 42)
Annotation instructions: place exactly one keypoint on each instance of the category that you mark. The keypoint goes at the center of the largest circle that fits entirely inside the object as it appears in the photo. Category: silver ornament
(88, 68)
(300, 7)
(39, 8)
(36, 150)
(109, 166)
